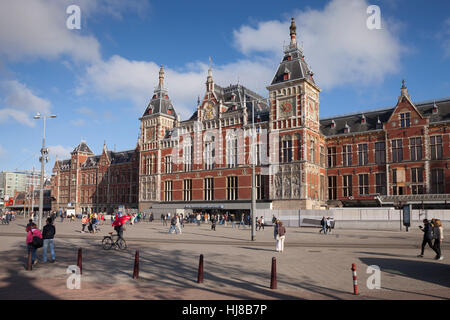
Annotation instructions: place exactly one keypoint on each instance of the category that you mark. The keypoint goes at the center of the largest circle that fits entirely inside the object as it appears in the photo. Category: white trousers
(280, 244)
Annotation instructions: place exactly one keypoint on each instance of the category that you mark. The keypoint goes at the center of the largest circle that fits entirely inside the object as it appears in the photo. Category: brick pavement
(313, 266)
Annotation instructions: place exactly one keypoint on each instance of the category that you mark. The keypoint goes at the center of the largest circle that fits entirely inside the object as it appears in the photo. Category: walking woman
(281, 236)
(438, 236)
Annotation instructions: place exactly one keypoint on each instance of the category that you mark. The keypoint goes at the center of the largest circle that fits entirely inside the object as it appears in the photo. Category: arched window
(187, 153)
(297, 147)
(231, 149)
(209, 152)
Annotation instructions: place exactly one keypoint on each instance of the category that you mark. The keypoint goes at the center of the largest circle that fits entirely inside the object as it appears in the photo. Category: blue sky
(98, 80)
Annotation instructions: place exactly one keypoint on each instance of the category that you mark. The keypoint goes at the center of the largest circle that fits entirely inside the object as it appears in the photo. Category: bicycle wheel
(107, 243)
(122, 244)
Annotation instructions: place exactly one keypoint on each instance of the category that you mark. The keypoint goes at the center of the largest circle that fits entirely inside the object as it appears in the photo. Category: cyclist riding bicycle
(119, 230)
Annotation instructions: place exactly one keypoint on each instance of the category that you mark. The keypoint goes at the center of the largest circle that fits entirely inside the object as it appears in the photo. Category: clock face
(209, 111)
(287, 108)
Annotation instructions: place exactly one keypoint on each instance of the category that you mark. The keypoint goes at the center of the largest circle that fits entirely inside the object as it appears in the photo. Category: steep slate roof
(64, 164)
(297, 67)
(160, 103)
(354, 120)
(239, 92)
(121, 156)
(91, 162)
(82, 147)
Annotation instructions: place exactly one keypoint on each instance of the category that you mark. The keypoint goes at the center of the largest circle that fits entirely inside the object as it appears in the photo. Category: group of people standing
(176, 223)
(92, 221)
(432, 230)
(7, 217)
(36, 239)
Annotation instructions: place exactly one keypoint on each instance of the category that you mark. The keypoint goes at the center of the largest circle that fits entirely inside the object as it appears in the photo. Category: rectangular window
(347, 186)
(416, 148)
(436, 147)
(187, 157)
(437, 181)
(405, 120)
(286, 151)
(332, 188)
(347, 155)
(187, 189)
(397, 150)
(209, 189)
(259, 187)
(380, 152)
(380, 183)
(322, 156)
(363, 154)
(168, 190)
(417, 180)
(232, 188)
(363, 184)
(168, 164)
(331, 157)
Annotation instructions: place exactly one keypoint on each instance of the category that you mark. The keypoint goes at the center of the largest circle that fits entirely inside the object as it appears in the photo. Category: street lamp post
(43, 159)
(253, 173)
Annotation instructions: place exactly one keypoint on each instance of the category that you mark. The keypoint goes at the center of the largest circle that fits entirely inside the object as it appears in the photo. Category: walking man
(427, 236)
(242, 222)
(323, 223)
(48, 234)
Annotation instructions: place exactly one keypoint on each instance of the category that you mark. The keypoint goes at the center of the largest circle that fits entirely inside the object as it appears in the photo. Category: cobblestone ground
(312, 266)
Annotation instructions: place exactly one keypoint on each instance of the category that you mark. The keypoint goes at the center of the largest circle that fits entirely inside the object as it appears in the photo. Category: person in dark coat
(48, 234)
(427, 236)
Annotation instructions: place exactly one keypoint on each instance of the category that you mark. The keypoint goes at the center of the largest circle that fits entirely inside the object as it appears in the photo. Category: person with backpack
(34, 241)
(427, 236)
(281, 236)
(48, 234)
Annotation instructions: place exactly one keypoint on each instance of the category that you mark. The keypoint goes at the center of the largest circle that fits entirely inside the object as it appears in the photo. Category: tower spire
(161, 78)
(293, 32)
(209, 79)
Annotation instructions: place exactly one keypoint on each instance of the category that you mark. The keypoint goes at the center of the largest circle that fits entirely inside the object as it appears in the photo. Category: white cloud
(120, 78)
(337, 43)
(20, 103)
(60, 151)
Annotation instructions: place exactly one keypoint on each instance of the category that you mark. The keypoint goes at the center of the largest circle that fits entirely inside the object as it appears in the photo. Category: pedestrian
(438, 236)
(199, 219)
(151, 216)
(261, 223)
(427, 236)
(242, 223)
(258, 224)
(178, 223)
(274, 220)
(84, 221)
(173, 225)
(233, 223)
(33, 242)
(328, 225)
(213, 222)
(323, 223)
(28, 227)
(281, 236)
(48, 234)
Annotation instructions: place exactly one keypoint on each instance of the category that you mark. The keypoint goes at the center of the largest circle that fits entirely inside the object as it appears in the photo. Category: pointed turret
(160, 102)
(293, 33)
(209, 79)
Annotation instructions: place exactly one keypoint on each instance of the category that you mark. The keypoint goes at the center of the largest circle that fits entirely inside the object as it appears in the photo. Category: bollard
(273, 276)
(136, 266)
(29, 260)
(355, 281)
(79, 260)
(200, 270)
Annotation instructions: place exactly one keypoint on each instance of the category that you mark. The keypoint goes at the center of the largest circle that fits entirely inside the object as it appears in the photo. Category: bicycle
(108, 242)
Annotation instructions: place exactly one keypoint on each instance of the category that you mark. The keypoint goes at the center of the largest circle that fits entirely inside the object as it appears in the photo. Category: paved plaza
(312, 266)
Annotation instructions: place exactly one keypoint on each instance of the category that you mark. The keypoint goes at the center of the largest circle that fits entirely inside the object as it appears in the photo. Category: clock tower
(294, 125)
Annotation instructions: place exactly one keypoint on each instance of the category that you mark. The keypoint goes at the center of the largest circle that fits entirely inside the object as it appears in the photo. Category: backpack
(37, 242)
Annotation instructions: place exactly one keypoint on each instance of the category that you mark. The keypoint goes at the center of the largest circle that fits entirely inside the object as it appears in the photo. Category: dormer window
(379, 124)
(289, 57)
(363, 119)
(150, 110)
(286, 76)
(333, 123)
(169, 111)
(347, 128)
(435, 109)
